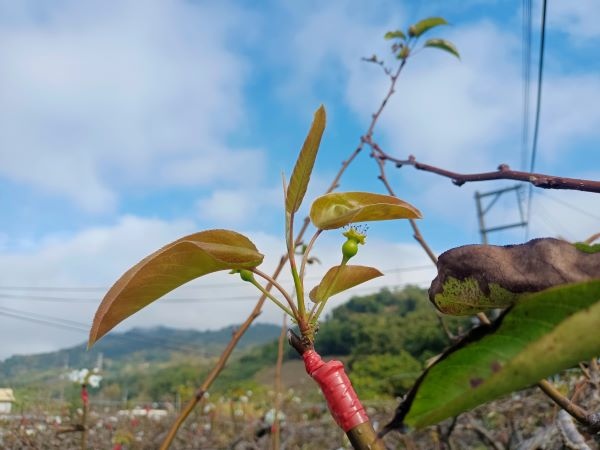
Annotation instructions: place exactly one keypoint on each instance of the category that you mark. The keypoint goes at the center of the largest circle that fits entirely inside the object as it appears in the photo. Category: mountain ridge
(134, 345)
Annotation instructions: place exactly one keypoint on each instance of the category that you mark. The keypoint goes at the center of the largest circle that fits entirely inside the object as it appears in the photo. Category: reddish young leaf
(348, 277)
(342, 208)
(304, 164)
(168, 268)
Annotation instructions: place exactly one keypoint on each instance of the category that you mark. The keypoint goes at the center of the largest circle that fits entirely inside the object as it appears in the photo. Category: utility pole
(482, 210)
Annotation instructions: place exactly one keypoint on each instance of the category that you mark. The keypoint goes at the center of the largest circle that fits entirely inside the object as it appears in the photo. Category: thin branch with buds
(504, 172)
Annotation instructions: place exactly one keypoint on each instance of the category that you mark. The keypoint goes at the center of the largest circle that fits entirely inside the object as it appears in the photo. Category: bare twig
(592, 238)
(278, 388)
(504, 172)
(591, 421)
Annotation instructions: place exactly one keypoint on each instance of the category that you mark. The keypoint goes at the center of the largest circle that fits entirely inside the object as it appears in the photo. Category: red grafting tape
(84, 395)
(343, 403)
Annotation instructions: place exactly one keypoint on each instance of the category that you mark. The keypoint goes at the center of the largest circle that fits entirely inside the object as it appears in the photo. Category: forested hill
(139, 344)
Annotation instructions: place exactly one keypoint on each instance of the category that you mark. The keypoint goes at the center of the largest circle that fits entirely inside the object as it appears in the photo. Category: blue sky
(125, 125)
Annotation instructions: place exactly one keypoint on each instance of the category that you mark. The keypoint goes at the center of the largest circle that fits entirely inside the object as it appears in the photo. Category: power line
(537, 108)
(72, 325)
(526, 63)
(43, 322)
(203, 286)
(551, 222)
(79, 300)
(568, 205)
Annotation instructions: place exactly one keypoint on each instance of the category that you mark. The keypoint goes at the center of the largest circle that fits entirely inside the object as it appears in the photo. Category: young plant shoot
(210, 251)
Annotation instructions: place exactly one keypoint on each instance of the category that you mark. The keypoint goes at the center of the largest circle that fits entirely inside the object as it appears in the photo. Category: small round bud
(349, 248)
(246, 275)
(404, 52)
(354, 236)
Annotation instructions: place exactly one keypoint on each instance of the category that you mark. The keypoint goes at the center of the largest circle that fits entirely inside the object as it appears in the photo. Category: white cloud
(99, 255)
(570, 115)
(238, 206)
(580, 19)
(94, 98)
(332, 37)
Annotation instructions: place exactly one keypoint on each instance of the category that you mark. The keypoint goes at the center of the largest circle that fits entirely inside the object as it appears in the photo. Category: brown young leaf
(304, 164)
(337, 209)
(348, 277)
(168, 268)
(474, 278)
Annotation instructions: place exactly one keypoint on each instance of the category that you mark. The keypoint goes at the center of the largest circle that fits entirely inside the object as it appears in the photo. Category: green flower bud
(350, 248)
(353, 238)
(246, 275)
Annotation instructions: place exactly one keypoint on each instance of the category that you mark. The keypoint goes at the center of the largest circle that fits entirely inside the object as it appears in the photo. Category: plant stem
(297, 282)
(363, 437)
(84, 431)
(257, 309)
(316, 311)
(574, 410)
(279, 287)
(309, 247)
(272, 298)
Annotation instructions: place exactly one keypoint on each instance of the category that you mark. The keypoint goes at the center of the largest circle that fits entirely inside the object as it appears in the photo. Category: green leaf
(342, 208)
(341, 278)
(168, 268)
(587, 248)
(424, 25)
(394, 34)
(304, 164)
(443, 45)
(542, 334)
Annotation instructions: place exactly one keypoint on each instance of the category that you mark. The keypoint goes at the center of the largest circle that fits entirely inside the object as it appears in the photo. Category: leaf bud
(246, 275)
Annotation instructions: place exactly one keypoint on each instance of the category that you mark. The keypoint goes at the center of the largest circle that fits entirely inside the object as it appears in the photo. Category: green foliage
(398, 34)
(403, 47)
(165, 382)
(137, 346)
(587, 248)
(386, 375)
(387, 322)
(542, 334)
(442, 44)
(425, 25)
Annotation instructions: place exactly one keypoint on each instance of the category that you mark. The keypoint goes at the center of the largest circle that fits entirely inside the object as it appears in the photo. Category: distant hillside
(139, 344)
(384, 339)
